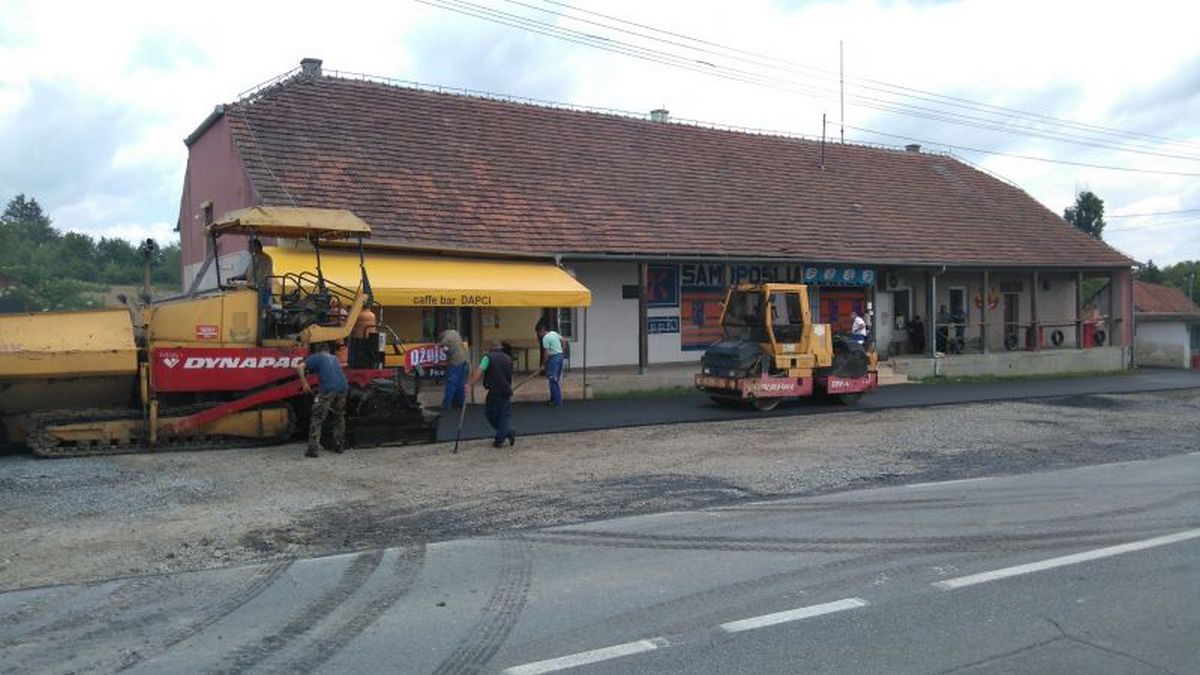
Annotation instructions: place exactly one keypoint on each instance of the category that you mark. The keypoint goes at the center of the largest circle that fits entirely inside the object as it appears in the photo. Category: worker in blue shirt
(330, 399)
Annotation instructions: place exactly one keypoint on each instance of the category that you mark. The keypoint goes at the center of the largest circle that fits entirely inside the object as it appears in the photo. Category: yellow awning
(411, 281)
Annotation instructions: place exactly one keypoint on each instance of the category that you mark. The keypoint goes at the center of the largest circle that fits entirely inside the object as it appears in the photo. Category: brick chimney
(310, 69)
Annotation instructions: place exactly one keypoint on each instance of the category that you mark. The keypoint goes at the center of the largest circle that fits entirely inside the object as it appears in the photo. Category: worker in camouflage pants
(329, 401)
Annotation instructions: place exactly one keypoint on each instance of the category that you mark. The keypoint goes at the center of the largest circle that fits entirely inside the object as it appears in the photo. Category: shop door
(836, 305)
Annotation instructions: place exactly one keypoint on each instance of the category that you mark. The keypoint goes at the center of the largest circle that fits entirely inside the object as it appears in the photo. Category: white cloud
(142, 75)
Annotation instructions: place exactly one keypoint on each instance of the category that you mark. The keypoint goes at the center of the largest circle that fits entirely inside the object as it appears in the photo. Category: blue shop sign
(656, 325)
(839, 276)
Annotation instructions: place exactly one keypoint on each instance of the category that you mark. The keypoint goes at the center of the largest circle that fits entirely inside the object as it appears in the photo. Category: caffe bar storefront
(483, 298)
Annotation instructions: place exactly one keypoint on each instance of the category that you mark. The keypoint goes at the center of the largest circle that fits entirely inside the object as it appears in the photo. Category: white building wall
(612, 336)
(1162, 343)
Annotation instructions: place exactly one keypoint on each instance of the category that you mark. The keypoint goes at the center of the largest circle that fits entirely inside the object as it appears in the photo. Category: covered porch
(1002, 320)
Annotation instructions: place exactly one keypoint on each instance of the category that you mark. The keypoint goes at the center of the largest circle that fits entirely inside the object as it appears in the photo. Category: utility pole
(842, 87)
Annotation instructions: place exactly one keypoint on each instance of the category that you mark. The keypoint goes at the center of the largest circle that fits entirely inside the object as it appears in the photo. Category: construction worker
(495, 369)
(330, 399)
(259, 268)
(457, 369)
(552, 361)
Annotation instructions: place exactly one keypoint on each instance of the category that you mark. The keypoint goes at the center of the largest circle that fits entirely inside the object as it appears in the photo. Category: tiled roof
(1153, 299)
(449, 170)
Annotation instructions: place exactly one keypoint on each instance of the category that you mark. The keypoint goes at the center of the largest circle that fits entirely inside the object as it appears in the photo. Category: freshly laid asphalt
(532, 418)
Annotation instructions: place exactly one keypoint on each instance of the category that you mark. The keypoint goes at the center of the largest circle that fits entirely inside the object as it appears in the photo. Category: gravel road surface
(77, 520)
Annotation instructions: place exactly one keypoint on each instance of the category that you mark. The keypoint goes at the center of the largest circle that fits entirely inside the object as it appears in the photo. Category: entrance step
(888, 375)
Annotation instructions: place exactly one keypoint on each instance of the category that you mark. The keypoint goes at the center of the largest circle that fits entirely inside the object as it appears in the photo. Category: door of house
(902, 307)
(1012, 320)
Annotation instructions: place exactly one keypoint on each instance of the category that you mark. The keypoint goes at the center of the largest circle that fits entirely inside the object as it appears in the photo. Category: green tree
(121, 263)
(27, 220)
(167, 269)
(1150, 273)
(43, 269)
(1087, 214)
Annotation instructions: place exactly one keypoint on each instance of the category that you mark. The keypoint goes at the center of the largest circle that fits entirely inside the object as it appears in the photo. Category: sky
(96, 98)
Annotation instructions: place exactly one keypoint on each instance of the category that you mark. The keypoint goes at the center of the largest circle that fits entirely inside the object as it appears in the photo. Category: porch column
(1079, 310)
(931, 314)
(1120, 300)
(1033, 314)
(643, 337)
(585, 345)
(983, 317)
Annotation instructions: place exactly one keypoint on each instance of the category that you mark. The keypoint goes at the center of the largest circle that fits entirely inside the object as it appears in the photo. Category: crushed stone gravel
(76, 520)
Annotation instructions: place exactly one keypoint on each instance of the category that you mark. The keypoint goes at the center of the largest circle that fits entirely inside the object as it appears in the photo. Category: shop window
(958, 303)
(436, 320)
(561, 320)
(566, 322)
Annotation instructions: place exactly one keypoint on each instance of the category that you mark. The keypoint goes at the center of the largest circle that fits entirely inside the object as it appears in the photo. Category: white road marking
(949, 482)
(792, 615)
(585, 658)
(1051, 563)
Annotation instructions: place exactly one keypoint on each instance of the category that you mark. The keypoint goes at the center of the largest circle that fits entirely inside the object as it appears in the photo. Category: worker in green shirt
(552, 361)
(495, 369)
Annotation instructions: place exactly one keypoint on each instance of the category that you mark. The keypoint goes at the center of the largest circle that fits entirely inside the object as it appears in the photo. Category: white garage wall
(1161, 343)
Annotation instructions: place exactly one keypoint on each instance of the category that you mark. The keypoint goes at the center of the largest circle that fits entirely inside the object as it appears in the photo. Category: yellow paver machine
(212, 368)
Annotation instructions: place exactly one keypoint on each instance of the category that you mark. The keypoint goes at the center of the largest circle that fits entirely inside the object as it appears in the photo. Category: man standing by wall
(495, 368)
(330, 398)
(457, 369)
(552, 350)
(858, 328)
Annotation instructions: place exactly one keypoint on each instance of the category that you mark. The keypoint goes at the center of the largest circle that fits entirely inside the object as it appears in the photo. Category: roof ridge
(271, 85)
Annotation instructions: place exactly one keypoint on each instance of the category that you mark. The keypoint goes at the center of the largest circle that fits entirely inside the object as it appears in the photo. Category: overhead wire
(1152, 214)
(872, 85)
(749, 77)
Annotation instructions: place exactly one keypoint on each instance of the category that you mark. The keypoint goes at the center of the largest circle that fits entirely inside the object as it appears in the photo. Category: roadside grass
(978, 379)
(676, 390)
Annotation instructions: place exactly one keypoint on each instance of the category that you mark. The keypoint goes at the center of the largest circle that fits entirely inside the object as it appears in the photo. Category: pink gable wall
(214, 173)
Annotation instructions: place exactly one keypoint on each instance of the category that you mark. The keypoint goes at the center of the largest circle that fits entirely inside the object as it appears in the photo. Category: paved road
(1093, 569)
(615, 413)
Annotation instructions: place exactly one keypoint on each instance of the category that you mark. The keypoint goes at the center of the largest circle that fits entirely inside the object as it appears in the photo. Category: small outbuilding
(1167, 329)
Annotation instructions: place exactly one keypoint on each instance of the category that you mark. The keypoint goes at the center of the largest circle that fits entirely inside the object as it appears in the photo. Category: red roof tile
(451, 170)
(1152, 299)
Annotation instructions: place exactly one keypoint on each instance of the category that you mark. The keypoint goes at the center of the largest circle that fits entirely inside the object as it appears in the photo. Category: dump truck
(211, 368)
(772, 351)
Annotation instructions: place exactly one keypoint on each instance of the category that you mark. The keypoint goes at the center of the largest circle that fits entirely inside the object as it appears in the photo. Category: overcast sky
(95, 98)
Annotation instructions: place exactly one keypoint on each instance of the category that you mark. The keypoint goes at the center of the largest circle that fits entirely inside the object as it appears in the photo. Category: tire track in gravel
(264, 578)
(320, 649)
(254, 652)
(500, 613)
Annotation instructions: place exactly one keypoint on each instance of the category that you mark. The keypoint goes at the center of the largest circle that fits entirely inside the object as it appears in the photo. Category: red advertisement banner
(427, 355)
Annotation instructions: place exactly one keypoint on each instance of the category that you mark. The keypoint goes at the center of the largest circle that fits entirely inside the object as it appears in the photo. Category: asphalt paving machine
(772, 351)
(211, 368)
